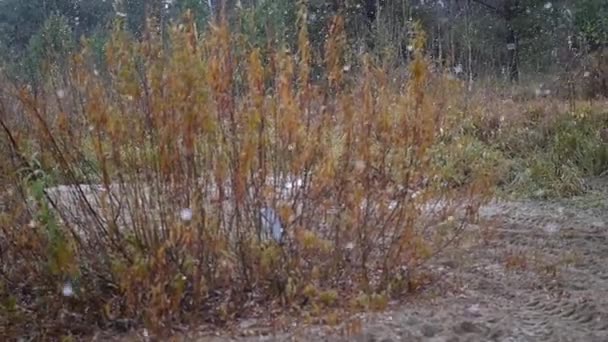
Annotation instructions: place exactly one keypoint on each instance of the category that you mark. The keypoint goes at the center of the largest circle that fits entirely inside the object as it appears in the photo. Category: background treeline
(504, 40)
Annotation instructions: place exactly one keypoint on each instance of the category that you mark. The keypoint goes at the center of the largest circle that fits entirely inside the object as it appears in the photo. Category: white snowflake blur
(67, 290)
(186, 214)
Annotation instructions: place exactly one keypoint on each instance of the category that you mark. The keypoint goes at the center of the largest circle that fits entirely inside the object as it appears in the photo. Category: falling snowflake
(186, 214)
(60, 93)
(548, 5)
(67, 290)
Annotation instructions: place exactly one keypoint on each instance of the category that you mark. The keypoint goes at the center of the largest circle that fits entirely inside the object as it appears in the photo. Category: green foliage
(544, 33)
(22, 20)
(47, 50)
(269, 21)
(467, 159)
(459, 31)
(591, 18)
(55, 40)
(60, 253)
(135, 13)
(576, 141)
(200, 10)
(553, 157)
(19, 21)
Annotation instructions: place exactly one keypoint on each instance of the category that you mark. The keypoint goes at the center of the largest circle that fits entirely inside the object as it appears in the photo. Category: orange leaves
(285, 90)
(63, 259)
(215, 126)
(310, 242)
(304, 50)
(221, 63)
(334, 50)
(255, 76)
(191, 31)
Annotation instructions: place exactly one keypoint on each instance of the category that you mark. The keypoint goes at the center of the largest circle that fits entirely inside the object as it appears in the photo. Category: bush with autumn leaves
(133, 190)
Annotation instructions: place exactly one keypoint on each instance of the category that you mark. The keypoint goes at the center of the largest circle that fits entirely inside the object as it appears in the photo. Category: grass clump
(553, 154)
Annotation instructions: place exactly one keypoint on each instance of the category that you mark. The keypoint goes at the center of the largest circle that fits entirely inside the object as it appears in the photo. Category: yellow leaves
(255, 75)
(328, 297)
(422, 249)
(128, 83)
(288, 112)
(110, 310)
(306, 238)
(64, 260)
(374, 301)
(247, 158)
(305, 53)
(63, 124)
(334, 49)
(286, 213)
(191, 30)
(334, 145)
(270, 258)
(220, 67)
(300, 153)
(310, 291)
(309, 241)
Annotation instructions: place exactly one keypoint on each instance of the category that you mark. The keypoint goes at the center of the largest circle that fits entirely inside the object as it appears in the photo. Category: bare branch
(487, 5)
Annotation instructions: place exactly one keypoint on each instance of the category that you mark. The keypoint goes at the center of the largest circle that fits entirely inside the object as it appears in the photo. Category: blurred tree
(21, 20)
(471, 36)
(47, 51)
(591, 19)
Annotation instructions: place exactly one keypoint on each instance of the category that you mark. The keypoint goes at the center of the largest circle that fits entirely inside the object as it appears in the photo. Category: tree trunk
(511, 7)
(371, 8)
